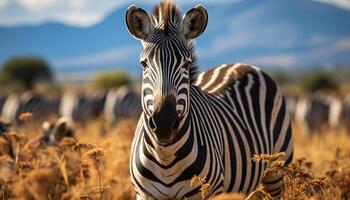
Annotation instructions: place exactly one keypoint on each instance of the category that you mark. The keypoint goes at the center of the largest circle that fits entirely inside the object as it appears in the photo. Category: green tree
(26, 70)
(107, 80)
(317, 81)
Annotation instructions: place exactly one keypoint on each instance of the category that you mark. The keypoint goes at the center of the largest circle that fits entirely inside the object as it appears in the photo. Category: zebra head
(168, 62)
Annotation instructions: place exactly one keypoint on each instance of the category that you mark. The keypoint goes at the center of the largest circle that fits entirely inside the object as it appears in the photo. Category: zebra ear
(138, 22)
(194, 22)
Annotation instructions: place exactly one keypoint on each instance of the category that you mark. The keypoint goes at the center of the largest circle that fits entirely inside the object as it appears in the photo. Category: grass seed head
(95, 154)
(26, 117)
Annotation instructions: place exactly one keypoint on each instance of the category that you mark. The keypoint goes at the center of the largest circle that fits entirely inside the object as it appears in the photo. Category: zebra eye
(186, 65)
(144, 64)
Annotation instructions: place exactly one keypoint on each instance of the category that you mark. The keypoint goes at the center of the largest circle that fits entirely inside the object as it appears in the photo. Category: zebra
(208, 124)
(312, 113)
(291, 101)
(10, 107)
(35, 104)
(97, 99)
(339, 114)
(75, 107)
(122, 103)
(28, 102)
(53, 133)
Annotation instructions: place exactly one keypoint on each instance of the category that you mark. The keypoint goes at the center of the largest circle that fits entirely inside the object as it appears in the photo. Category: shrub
(107, 80)
(317, 81)
(26, 70)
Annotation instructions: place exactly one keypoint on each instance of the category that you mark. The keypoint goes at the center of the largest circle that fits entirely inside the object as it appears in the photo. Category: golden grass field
(95, 166)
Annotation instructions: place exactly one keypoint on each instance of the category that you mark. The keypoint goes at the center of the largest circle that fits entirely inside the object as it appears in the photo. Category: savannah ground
(95, 165)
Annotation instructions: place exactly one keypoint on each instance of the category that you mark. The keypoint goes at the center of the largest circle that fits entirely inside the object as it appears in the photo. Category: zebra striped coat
(30, 102)
(122, 103)
(209, 125)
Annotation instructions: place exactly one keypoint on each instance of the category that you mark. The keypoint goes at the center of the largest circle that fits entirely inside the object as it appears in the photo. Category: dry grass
(95, 166)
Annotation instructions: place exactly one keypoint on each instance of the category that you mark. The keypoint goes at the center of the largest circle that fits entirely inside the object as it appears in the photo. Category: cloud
(85, 12)
(35, 5)
(73, 12)
(329, 50)
(285, 60)
(80, 19)
(316, 53)
(3, 3)
(277, 36)
(345, 4)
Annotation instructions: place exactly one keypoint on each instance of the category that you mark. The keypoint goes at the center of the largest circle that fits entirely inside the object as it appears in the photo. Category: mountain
(290, 34)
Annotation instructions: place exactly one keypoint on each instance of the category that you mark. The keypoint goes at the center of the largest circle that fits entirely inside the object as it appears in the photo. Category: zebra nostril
(175, 124)
(152, 124)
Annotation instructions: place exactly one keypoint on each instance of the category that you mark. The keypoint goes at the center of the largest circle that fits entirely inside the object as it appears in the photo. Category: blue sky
(82, 12)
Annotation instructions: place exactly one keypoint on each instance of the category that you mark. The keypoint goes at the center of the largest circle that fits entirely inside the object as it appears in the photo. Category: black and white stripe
(312, 113)
(339, 114)
(28, 102)
(74, 106)
(54, 132)
(209, 126)
(122, 103)
(97, 99)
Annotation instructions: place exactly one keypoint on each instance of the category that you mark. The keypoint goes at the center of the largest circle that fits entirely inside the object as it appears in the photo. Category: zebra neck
(167, 154)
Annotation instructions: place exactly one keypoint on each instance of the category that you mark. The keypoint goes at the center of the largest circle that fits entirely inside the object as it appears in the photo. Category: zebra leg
(273, 184)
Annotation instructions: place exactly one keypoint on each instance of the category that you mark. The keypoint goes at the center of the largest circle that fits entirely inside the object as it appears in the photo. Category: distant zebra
(312, 113)
(75, 107)
(339, 114)
(209, 126)
(10, 108)
(28, 102)
(122, 103)
(35, 104)
(81, 107)
(97, 101)
(291, 101)
(53, 133)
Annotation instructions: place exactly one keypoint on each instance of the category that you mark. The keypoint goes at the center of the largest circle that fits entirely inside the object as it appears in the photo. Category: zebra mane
(194, 66)
(167, 16)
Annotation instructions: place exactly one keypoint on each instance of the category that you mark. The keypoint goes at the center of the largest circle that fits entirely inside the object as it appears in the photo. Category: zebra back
(122, 103)
(35, 104)
(97, 101)
(312, 112)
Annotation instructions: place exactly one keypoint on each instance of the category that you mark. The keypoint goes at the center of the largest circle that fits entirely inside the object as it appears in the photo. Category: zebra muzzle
(164, 122)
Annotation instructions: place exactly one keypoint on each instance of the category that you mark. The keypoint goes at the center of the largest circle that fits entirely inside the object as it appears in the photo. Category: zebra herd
(319, 112)
(76, 107)
(208, 124)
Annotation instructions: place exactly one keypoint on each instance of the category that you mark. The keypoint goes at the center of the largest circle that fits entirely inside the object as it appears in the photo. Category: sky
(83, 13)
